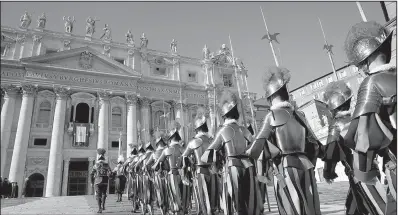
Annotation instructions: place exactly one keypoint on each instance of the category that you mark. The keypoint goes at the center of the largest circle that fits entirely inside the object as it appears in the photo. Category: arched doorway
(82, 113)
(36, 185)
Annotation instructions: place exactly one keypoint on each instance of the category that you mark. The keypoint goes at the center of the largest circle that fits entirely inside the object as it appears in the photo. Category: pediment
(84, 58)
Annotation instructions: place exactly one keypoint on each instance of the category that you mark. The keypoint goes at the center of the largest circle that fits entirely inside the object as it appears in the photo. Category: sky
(194, 24)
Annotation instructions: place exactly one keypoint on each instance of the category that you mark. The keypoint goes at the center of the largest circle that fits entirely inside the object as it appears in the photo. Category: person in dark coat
(1, 187)
(7, 188)
(26, 188)
(14, 190)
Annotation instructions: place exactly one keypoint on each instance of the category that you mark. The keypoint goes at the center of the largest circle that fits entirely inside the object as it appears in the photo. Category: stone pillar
(131, 121)
(7, 116)
(36, 48)
(22, 136)
(103, 120)
(131, 59)
(54, 173)
(90, 168)
(182, 117)
(145, 117)
(19, 46)
(65, 177)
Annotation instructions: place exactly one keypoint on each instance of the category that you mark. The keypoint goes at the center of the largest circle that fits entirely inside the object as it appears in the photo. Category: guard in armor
(372, 130)
(159, 180)
(139, 171)
(338, 99)
(172, 155)
(204, 177)
(120, 180)
(147, 180)
(100, 177)
(240, 192)
(129, 169)
(291, 145)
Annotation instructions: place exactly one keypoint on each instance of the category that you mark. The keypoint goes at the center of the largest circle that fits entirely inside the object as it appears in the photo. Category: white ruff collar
(342, 114)
(230, 121)
(284, 104)
(384, 67)
(201, 134)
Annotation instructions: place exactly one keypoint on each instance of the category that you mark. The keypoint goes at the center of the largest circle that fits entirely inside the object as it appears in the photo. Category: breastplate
(235, 143)
(290, 137)
(157, 153)
(173, 155)
(198, 152)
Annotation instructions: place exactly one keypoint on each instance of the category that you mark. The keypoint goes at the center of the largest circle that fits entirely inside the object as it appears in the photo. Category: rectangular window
(40, 142)
(227, 79)
(120, 60)
(49, 51)
(192, 77)
(115, 144)
(159, 71)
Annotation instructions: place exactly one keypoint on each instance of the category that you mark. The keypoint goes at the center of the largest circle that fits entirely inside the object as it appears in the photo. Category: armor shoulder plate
(227, 132)
(280, 116)
(168, 151)
(369, 97)
(195, 143)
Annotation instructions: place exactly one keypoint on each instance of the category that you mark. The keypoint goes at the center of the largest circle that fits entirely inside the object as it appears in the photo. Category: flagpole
(270, 41)
(214, 100)
(251, 105)
(120, 144)
(361, 12)
(237, 80)
(329, 51)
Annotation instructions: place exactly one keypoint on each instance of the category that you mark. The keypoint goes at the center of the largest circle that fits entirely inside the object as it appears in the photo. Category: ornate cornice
(29, 89)
(37, 38)
(132, 99)
(10, 90)
(62, 92)
(131, 52)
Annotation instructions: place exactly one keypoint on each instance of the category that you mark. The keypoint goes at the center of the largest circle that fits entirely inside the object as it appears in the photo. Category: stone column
(131, 121)
(103, 120)
(65, 177)
(36, 48)
(90, 167)
(22, 136)
(54, 173)
(182, 117)
(7, 116)
(145, 117)
(19, 46)
(131, 59)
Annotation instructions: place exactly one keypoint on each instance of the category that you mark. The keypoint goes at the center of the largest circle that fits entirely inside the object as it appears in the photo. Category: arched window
(82, 113)
(44, 112)
(116, 117)
(160, 120)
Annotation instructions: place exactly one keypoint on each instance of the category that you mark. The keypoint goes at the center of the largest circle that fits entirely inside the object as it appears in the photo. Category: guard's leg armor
(103, 201)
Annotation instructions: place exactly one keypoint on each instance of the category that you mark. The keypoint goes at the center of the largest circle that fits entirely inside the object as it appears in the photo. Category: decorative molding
(62, 92)
(46, 94)
(86, 60)
(21, 38)
(145, 102)
(37, 38)
(131, 52)
(10, 90)
(42, 171)
(118, 100)
(104, 95)
(29, 89)
(132, 99)
(107, 50)
(67, 44)
(37, 161)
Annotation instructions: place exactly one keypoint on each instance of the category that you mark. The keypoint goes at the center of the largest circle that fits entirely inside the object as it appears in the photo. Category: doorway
(77, 178)
(36, 185)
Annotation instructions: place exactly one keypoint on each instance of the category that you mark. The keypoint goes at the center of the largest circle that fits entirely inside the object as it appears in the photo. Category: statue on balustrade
(25, 20)
(41, 22)
(69, 24)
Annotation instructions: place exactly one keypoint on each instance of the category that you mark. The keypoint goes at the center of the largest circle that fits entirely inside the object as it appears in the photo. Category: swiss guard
(373, 127)
(139, 171)
(241, 194)
(172, 155)
(99, 177)
(159, 180)
(133, 195)
(204, 180)
(120, 180)
(338, 97)
(291, 145)
(147, 180)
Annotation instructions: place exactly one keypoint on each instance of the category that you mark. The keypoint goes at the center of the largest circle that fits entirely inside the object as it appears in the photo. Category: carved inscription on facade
(196, 95)
(159, 89)
(79, 79)
(12, 74)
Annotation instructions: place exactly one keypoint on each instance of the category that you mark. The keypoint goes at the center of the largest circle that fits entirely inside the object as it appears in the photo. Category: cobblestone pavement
(332, 199)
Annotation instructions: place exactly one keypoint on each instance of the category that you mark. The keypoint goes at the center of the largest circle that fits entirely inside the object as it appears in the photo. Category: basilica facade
(65, 95)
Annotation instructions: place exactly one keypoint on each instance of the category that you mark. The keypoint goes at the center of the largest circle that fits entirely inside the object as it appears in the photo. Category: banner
(81, 134)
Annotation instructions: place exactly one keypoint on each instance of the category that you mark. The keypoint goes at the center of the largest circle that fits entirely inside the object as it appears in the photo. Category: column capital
(29, 89)
(62, 92)
(104, 95)
(37, 38)
(144, 101)
(10, 90)
(184, 106)
(67, 160)
(21, 38)
(132, 99)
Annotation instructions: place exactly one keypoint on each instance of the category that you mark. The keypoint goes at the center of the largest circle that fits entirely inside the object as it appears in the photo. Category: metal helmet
(101, 154)
(134, 151)
(148, 146)
(364, 39)
(141, 148)
(274, 79)
(228, 102)
(336, 94)
(174, 126)
(159, 137)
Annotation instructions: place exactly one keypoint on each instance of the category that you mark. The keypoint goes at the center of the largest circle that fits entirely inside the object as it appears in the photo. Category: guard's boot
(103, 202)
(99, 205)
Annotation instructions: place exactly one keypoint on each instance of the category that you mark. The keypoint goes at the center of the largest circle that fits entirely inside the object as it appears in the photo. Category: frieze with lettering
(12, 74)
(83, 79)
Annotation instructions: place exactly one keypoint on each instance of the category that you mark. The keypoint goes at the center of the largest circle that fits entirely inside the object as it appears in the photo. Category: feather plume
(228, 97)
(275, 74)
(337, 87)
(361, 31)
(101, 151)
(174, 124)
